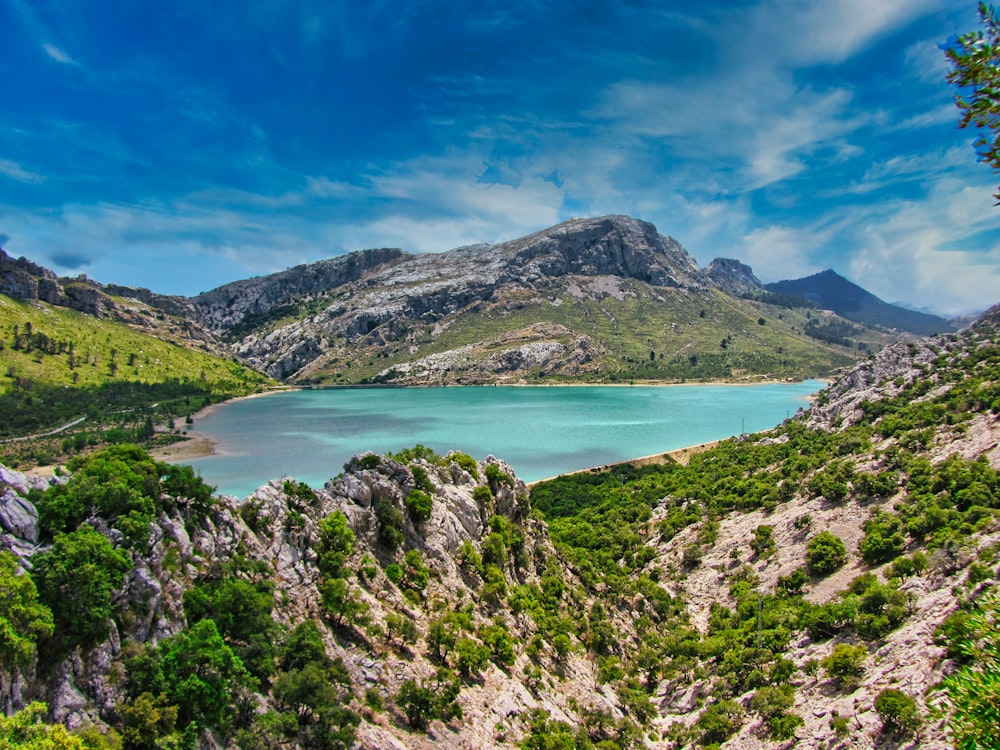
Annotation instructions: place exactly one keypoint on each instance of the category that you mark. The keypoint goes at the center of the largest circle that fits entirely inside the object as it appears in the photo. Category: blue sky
(181, 145)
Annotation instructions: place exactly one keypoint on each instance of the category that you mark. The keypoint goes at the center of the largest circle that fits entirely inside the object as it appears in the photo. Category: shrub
(336, 543)
(845, 662)
(75, 579)
(23, 619)
(825, 553)
(719, 722)
(794, 582)
(419, 504)
(763, 541)
(883, 539)
(390, 523)
(466, 462)
(421, 480)
(898, 711)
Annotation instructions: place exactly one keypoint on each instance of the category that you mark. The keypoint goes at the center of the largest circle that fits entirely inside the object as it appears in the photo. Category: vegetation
(61, 365)
(974, 72)
(669, 340)
(603, 587)
(825, 553)
(75, 580)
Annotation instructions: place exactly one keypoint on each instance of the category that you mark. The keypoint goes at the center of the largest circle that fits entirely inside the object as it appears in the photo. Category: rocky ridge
(183, 549)
(733, 277)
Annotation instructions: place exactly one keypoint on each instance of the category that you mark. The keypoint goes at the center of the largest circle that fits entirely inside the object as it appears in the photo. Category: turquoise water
(540, 431)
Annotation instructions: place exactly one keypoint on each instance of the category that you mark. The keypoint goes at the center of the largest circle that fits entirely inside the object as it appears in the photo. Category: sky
(181, 145)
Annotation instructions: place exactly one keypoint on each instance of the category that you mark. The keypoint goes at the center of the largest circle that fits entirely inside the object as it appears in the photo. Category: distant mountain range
(601, 300)
(831, 291)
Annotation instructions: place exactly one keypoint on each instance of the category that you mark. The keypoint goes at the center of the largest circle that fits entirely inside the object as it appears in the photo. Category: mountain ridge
(830, 290)
(600, 298)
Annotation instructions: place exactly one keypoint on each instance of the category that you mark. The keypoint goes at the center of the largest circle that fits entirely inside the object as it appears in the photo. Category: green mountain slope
(832, 291)
(58, 364)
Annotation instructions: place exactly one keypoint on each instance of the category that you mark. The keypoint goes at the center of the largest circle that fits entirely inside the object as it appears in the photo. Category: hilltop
(829, 290)
(809, 585)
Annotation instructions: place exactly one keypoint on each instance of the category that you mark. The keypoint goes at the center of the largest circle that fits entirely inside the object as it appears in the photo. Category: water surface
(541, 431)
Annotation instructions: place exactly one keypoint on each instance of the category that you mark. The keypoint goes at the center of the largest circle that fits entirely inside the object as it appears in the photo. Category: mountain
(831, 291)
(605, 299)
(807, 586)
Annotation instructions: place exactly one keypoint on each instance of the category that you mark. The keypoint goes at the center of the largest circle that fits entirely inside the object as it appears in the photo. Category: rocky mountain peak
(607, 245)
(733, 277)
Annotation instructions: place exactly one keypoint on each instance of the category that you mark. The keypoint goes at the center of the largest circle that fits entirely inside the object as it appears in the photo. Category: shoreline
(198, 445)
(680, 455)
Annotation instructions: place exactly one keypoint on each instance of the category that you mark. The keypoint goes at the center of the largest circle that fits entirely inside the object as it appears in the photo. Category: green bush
(390, 523)
(825, 553)
(466, 462)
(719, 722)
(898, 711)
(336, 543)
(23, 619)
(883, 540)
(75, 579)
(419, 505)
(762, 543)
(845, 662)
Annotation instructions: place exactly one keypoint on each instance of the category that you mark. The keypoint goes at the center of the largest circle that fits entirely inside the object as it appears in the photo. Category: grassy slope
(97, 345)
(671, 325)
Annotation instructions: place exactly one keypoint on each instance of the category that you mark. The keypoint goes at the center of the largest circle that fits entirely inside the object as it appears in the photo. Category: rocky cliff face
(282, 531)
(227, 306)
(733, 277)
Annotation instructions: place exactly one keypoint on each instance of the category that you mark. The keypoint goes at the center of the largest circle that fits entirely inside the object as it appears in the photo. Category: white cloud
(15, 171)
(780, 252)
(812, 33)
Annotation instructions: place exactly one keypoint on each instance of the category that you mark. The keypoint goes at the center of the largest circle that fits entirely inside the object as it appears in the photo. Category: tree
(76, 578)
(25, 731)
(336, 542)
(972, 694)
(825, 553)
(196, 672)
(975, 58)
(23, 619)
(898, 711)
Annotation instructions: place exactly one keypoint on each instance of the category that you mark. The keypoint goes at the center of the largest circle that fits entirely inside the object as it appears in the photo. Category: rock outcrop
(733, 277)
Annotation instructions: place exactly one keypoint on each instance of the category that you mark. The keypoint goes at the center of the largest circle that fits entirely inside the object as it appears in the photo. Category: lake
(541, 431)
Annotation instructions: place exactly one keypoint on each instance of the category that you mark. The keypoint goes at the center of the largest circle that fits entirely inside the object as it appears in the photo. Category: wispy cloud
(58, 54)
(15, 171)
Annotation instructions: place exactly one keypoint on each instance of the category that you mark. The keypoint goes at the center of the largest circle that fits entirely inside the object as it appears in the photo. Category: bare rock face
(18, 516)
(733, 277)
(229, 305)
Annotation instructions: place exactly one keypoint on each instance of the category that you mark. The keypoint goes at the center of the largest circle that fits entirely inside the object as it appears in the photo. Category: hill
(110, 359)
(832, 291)
(810, 586)
(601, 300)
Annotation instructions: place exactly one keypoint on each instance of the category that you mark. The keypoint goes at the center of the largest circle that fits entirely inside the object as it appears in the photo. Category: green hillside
(643, 336)
(57, 365)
